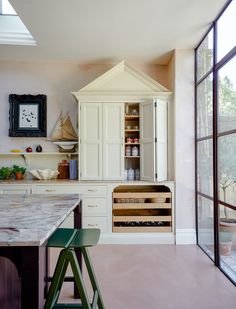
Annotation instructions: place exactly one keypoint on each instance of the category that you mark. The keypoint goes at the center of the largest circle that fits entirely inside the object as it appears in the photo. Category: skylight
(6, 8)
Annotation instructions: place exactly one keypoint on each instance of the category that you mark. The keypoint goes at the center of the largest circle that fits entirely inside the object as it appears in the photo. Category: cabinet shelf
(132, 157)
(132, 144)
(132, 117)
(131, 130)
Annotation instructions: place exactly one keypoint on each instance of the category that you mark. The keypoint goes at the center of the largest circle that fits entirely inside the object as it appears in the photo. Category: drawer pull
(89, 224)
(92, 190)
(92, 205)
(50, 190)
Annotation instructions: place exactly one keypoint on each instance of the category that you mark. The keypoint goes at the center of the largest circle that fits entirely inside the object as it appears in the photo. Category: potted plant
(227, 223)
(5, 172)
(18, 171)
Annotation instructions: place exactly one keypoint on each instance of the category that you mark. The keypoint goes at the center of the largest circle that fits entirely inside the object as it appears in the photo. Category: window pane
(227, 241)
(226, 38)
(227, 96)
(205, 167)
(206, 225)
(205, 56)
(204, 107)
(227, 168)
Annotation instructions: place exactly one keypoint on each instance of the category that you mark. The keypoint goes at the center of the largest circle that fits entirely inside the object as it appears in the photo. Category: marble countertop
(28, 220)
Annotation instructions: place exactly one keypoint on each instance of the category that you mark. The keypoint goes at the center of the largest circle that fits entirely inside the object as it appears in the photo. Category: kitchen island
(26, 222)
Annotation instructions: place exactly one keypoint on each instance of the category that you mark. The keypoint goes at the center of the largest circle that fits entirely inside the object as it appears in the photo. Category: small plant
(18, 169)
(5, 172)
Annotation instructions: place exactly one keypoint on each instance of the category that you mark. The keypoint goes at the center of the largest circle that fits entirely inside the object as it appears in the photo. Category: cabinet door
(113, 141)
(147, 140)
(91, 141)
(161, 140)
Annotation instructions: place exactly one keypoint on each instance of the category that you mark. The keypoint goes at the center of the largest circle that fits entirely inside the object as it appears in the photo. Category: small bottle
(125, 174)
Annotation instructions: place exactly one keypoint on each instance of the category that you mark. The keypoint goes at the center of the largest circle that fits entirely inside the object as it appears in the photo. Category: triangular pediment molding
(122, 79)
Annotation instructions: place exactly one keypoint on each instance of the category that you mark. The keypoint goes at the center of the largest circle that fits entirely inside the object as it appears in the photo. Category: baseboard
(137, 238)
(185, 236)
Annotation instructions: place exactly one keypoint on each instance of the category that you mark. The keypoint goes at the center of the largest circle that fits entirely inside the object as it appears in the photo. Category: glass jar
(63, 169)
(128, 151)
(134, 151)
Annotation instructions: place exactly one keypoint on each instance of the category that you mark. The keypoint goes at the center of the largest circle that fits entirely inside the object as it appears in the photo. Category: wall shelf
(27, 155)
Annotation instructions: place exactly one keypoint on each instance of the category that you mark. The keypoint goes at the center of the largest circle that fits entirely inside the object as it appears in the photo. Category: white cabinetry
(102, 119)
(94, 205)
(15, 189)
(101, 141)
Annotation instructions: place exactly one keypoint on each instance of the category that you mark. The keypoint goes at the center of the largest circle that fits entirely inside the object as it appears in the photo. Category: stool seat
(68, 239)
(74, 238)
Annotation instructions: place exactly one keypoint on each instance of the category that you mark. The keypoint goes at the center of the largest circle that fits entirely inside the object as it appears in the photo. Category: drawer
(17, 189)
(95, 222)
(94, 206)
(73, 189)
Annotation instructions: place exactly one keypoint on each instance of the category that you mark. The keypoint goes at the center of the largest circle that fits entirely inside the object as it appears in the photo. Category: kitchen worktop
(28, 220)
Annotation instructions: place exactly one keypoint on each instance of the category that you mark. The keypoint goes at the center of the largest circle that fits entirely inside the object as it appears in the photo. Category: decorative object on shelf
(15, 150)
(44, 174)
(27, 115)
(39, 148)
(129, 140)
(29, 149)
(127, 109)
(135, 112)
(125, 174)
(5, 172)
(128, 151)
(63, 168)
(134, 151)
(73, 169)
(130, 174)
(136, 140)
(64, 134)
(18, 171)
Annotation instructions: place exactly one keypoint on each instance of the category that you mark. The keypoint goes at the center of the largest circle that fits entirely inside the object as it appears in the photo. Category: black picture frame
(28, 115)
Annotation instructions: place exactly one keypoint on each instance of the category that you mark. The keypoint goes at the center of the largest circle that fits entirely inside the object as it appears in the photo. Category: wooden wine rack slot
(138, 212)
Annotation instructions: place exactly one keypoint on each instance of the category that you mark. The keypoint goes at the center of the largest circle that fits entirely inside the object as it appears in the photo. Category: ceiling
(107, 31)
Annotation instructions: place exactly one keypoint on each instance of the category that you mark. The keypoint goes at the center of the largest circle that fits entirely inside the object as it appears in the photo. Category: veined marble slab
(28, 220)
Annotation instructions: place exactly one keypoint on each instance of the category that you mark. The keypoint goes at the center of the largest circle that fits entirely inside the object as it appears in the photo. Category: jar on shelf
(129, 140)
(128, 151)
(130, 174)
(136, 140)
(134, 151)
(125, 174)
(63, 169)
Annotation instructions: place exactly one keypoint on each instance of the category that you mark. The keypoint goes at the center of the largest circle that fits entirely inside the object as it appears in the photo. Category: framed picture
(27, 115)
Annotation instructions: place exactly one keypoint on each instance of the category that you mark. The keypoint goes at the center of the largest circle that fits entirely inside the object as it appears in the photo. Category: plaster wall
(181, 68)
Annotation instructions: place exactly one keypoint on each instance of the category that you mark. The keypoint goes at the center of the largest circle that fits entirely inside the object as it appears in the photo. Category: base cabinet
(133, 213)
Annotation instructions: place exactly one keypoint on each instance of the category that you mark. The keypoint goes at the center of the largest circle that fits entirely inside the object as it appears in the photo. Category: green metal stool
(69, 239)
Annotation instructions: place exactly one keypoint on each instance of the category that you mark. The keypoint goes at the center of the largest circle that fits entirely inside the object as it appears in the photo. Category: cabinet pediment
(122, 79)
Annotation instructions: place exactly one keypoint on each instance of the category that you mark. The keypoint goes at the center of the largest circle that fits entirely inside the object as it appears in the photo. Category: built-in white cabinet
(101, 141)
(15, 189)
(105, 124)
(153, 140)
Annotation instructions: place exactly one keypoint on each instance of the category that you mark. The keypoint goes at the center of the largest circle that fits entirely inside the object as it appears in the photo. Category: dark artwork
(27, 115)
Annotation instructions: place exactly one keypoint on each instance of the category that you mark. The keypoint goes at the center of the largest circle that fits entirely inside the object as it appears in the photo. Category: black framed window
(215, 122)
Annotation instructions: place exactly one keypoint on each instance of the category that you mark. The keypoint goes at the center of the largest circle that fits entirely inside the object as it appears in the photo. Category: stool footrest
(68, 306)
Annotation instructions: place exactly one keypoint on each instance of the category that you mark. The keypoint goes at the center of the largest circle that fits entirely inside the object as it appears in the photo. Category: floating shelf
(132, 157)
(131, 117)
(132, 144)
(131, 130)
(26, 155)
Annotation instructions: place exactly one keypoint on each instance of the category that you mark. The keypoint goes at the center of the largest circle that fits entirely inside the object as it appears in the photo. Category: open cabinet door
(161, 140)
(147, 140)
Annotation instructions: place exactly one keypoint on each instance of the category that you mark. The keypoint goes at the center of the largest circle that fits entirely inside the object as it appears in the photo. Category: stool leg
(57, 280)
(79, 279)
(92, 277)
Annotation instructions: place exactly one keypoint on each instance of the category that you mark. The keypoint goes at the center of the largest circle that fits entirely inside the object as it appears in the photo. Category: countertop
(28, 220)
